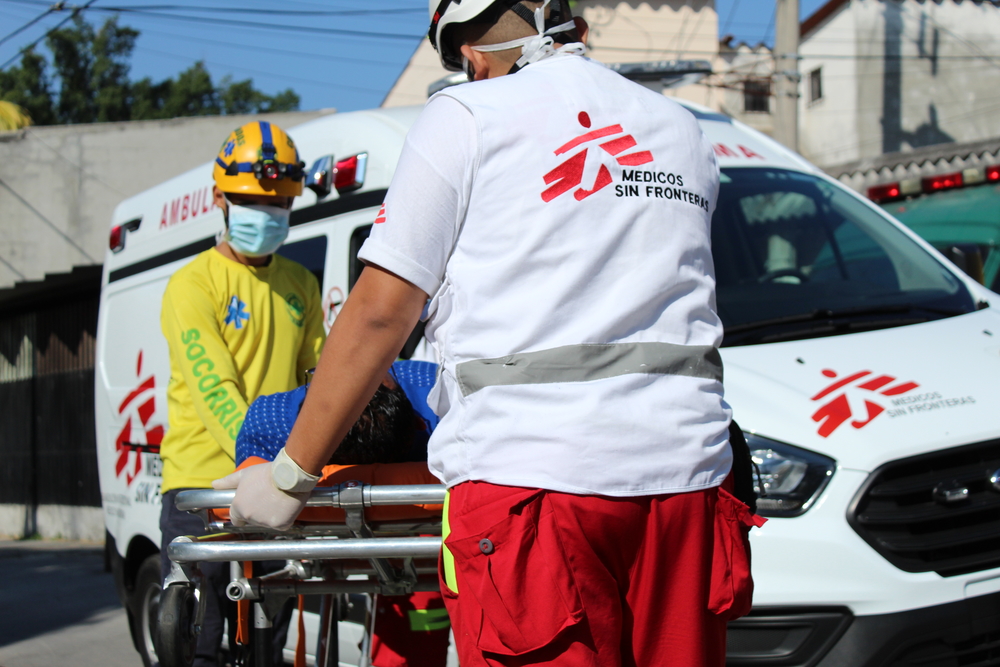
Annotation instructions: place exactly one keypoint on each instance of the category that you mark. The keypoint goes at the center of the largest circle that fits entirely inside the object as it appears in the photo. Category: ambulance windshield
(797, 257)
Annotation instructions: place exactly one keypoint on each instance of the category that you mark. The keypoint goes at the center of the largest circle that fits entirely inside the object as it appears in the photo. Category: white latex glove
(258, 501)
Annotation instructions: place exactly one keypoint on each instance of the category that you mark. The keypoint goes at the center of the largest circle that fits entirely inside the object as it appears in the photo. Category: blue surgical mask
(257, 230)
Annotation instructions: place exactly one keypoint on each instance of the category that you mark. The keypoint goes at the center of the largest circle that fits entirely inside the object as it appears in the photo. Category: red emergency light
(116, 239)
(942, 182)
(883, 193)
(911, 187)
(349, 173)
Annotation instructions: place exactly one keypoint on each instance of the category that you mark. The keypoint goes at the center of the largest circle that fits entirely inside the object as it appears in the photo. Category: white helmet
(447, 12)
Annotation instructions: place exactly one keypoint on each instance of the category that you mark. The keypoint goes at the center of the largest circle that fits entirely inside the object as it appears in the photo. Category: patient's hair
(382, 434)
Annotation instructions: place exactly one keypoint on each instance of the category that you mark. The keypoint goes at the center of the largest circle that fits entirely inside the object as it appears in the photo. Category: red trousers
(410, 631)
(559, 579)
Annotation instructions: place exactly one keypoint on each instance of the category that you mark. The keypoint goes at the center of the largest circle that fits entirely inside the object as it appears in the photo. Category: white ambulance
(862, 366)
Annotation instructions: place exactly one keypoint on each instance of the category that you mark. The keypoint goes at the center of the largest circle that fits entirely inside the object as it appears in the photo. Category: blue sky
(327, 69)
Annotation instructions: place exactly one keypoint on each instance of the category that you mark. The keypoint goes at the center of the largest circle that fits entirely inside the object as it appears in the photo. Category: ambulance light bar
(910, 187)
(942, 182)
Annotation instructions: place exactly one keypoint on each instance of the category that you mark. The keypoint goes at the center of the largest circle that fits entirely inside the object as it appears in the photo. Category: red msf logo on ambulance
(569, 174)
(137, 436)
(837, 410)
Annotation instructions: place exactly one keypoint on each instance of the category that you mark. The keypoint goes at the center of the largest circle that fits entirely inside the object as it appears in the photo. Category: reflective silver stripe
(581, 363)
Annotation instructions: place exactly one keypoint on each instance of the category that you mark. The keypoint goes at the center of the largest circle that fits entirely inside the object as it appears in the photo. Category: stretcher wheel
(176, 637)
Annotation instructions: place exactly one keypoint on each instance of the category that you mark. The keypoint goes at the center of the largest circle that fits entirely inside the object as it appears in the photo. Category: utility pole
(786, 73)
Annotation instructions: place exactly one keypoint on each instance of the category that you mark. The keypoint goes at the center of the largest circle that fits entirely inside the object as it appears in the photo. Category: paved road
(58, 607)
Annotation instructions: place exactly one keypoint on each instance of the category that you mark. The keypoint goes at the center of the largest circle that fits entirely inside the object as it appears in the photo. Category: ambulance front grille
(935, 512)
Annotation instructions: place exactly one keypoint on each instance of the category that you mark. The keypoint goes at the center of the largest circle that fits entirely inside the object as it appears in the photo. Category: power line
(802, 56)
(267, 26)
(770, 24)
(32, 22)
(970, 45)
(12, 269)
(47, 222)
(278, 12)
(87, 173)
(271, 49)
(729, 16)
(265, 73)
(242, 10)
(57, 26)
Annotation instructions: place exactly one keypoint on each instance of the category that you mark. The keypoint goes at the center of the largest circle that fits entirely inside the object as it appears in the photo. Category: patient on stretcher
(387, 445)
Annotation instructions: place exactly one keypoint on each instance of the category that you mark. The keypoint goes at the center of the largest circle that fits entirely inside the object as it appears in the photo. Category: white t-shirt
(560, 220)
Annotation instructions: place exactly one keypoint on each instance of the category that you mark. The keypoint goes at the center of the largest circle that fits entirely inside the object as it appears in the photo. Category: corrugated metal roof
(929, 161)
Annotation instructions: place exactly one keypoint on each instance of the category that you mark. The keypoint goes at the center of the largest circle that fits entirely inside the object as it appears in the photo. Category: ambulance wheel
(176, 637)
(144, 608)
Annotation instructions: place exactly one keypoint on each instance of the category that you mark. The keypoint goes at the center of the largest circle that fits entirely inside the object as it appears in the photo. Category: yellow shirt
(235, 332)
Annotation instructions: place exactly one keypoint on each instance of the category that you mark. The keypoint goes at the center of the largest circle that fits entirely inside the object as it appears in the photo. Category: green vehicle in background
(957, 213)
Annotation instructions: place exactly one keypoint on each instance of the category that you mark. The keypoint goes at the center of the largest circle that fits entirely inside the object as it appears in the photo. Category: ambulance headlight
(790, 479)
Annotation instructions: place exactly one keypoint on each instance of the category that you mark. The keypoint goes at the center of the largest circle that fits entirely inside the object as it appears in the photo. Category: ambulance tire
(176, 638)
(143, 612)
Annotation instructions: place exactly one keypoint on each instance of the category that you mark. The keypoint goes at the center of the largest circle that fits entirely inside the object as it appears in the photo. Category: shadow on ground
(50, 586)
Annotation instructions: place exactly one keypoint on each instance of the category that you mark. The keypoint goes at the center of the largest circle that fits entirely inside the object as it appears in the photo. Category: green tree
(112, 49)
(29, 87)
(242, 97)
(91, 71)
(192, 94)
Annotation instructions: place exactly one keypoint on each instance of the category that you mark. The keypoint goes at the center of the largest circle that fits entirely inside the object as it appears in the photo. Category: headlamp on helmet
(259, 158)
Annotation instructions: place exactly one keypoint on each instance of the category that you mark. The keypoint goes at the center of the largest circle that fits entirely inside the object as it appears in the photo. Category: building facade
(620, 32)
(887, 76)
(60, 184)
(744, 86)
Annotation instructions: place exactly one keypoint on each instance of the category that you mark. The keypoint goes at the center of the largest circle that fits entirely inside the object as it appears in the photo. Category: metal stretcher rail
(375, 547)
(373, 496)
(347, 555)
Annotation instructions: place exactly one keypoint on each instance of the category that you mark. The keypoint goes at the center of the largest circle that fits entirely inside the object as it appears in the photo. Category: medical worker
(551, 220)
(240, 321)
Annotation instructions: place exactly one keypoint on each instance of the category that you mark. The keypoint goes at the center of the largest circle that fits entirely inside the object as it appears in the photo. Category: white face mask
(257, 230)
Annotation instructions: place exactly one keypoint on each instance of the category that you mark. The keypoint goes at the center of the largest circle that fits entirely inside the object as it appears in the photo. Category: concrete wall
(619, 32)
(899, 76)
(63, 522)
(60, 184)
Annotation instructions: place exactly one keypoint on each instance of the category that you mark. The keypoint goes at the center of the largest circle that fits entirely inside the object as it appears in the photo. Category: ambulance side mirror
(319, 178)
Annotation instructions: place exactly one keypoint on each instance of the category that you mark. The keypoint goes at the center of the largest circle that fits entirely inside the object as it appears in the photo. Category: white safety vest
(575, 323)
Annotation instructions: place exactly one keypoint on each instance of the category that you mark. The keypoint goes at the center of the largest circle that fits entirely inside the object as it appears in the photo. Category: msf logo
(837, 410)
(137, 435)
(569, 174)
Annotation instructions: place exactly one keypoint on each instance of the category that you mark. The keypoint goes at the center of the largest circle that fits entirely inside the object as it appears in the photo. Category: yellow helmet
(259, 159)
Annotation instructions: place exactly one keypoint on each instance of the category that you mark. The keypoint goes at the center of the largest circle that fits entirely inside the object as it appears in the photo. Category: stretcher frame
(326, 559)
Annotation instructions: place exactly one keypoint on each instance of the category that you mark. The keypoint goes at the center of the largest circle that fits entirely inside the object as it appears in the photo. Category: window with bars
(757, 96)
(816, 84)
